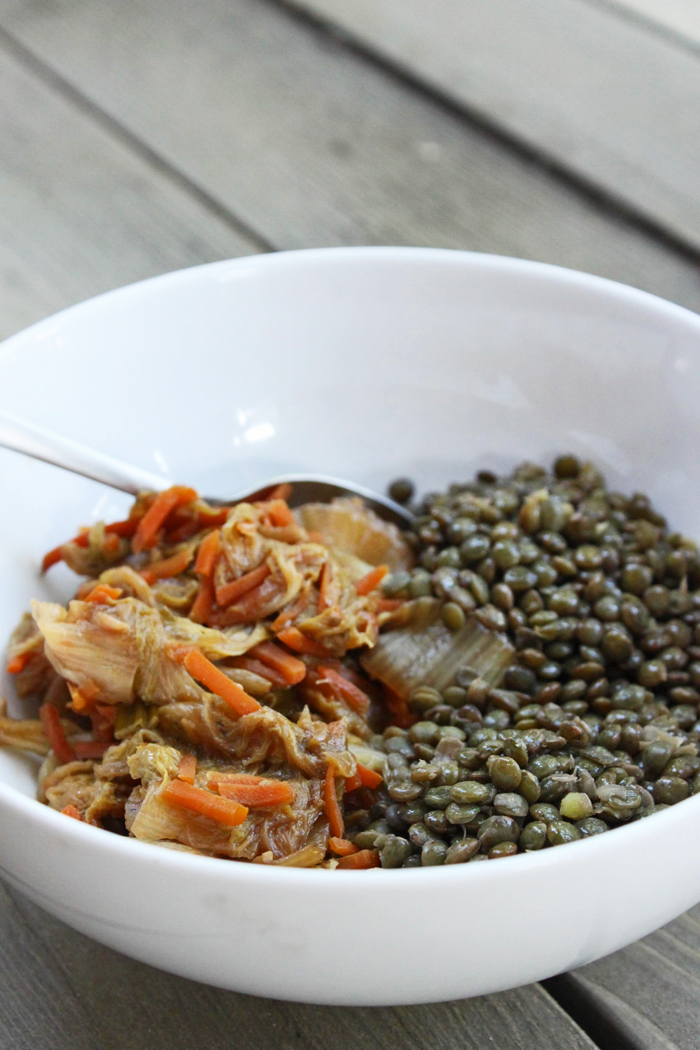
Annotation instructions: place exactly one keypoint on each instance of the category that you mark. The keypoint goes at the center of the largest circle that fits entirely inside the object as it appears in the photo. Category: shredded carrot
(18, 663)
(207, 554)
(366, 858)
(368, 777)
(301, 643)
(266, 793)
(212, 517)
(287, 615)
(398, 708)
(56, 555)
(324, 587)
(52, 558)
(254, 604)
(110, 545)
(371, 580)
(173, 566)
(248, 663)
(342, 847)
(204, 803)
(282, 491)
(146, 535)
(353, 783)
(187, 768)
(204, 602)
(124, 529)
(335, 817)
(351, 694)
(279, 513)
(71, 811)
(103, 594)
(292, 670)
(210, 676)
(83, 697)
(90, 748)
(214, 777)
(389, 604)
(51, 722)
(237, 588)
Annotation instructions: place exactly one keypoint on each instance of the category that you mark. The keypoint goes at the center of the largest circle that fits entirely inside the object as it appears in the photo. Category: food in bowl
(519, 671)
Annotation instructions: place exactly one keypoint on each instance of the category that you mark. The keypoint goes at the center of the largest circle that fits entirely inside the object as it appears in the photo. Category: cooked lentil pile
(595, 721)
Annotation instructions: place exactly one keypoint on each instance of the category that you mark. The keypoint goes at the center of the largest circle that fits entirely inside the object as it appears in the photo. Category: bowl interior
(363, 363)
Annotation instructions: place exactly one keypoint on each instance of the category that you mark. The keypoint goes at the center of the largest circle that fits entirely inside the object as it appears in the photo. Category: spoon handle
(34, 441)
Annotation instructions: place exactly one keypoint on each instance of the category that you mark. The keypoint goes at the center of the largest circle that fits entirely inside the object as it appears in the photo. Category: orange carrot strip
(83, 697)
(71, 811)
(51, 722)
(342, 847)
(335, 817)
(323, 587)
(90, 748)
(371, 580)
(56, 555)
(111, 544)
(204, 602)
(146, 535)
(124, 529)
(353, 783)
(279, 513)
(173, 566)
(354, 697)
(237, 588)
(52, 558)
(18, 663)
(301, 643)
(267, 793)
(187, 768)
(292, 670)
(207, 554)
(204, 803)
(234, 778)
(210, 676)
(389, 604)
(366, 858)
(103, 594)
(248, 663)
(368, 777)
(286, 617)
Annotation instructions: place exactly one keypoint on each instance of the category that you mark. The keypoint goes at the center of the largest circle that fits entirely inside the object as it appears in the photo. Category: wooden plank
(582, 83)
(647, 994)
(61, 991)
(309, 145)
(82, 212)
(680, 16)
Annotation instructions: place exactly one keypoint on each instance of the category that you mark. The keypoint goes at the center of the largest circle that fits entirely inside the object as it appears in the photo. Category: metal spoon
(20, 436)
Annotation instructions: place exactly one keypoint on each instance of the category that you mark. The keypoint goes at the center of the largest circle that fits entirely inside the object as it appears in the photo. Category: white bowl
(365, 363)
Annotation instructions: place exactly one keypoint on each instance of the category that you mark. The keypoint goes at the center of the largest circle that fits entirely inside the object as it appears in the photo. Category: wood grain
(61, 991)
(649, 993)
(582, 83)
(82, 213)
(310, 145)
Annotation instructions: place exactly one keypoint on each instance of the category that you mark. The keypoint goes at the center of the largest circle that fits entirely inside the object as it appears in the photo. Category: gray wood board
(589, 85)
(81, 212)
(309, 145)
(61, 991)
(649, 993)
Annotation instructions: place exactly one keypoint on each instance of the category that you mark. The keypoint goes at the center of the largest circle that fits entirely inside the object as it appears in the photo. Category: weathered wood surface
(583, 83)
(647, 994)
(309, 145)
(61, 991)
(81, 212)
(141, 137)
